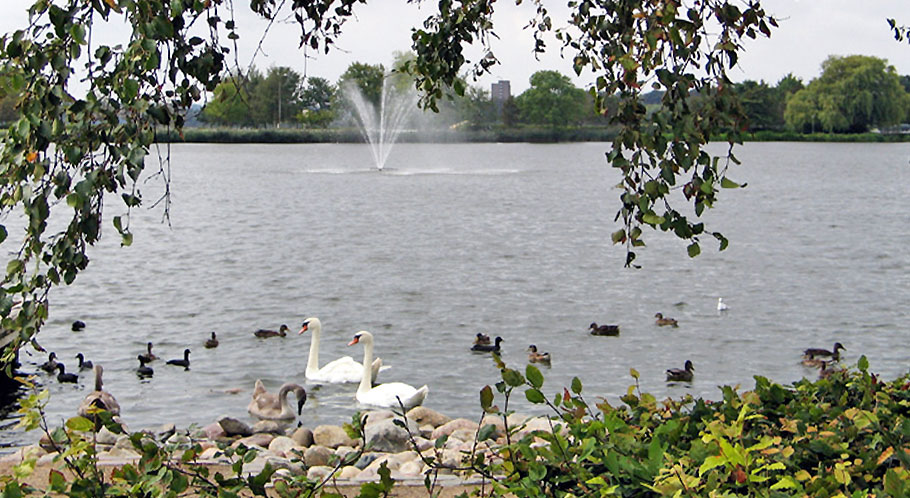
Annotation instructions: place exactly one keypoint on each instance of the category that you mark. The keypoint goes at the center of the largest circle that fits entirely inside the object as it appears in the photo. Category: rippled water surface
(513, 240)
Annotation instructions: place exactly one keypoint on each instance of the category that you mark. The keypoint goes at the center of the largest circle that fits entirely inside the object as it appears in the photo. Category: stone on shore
(425, 416)
(332, 436)
(281, 446)
(452, 426)
(234, 427)
(303, 437)
(316, 455)
(269, 426)
(261, 440)
(214, 431)
(388, 437)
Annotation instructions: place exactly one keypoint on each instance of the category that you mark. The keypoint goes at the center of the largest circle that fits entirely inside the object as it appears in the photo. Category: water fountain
(381, 127)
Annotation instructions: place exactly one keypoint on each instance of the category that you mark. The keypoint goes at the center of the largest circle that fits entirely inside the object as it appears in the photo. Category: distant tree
(853, 94)
(789, 84)
(553, 100)
(276, 97)
(476, 107)
(317, 94)
(365, 77)
(510, 112)
(230, 102)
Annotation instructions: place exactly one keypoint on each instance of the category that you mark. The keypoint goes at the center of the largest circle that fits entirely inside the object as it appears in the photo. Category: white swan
(384, 395)
(344, 369)
(269, 406)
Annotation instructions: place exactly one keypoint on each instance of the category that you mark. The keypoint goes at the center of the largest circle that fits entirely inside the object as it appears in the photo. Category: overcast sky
(810, 31)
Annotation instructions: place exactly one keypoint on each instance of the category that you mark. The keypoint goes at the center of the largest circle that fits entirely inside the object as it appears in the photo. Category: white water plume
(381, 127)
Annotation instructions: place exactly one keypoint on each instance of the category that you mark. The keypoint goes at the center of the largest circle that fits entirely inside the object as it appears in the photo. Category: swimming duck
(681, 374)
(268, 406)
(62, 376)
(51, 364)
(185, 362)
(834, 353)
(143, 370)
(535, 357)
(812, 362)
(827, 371)
(603, 329)
(481, 338)
(486, 348)
(721, 305)
(149, 357)
(392, 394)
(83, 365)
(263, 333)
(211, 343)
(661, 321)
(78, 325)
(99, 398)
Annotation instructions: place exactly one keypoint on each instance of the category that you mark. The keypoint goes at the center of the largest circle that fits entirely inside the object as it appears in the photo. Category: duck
(721, 305)
(149, 356)
(51, 364)
(78, 325)
(98, 399)
(144, 370)
(603, 329)
(535, 357)
(834, 353)
(339, 371)
(812, 362)
(486, 348)
(62, 376)
(661, 321)
(387, 395)
(827, 372)
(263, 333)
(185, 362)
(481, 338)
(83, 365)
(268, 406)
(211, 343)
(681, 374)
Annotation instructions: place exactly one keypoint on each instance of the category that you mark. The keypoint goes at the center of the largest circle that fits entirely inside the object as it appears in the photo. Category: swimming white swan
(384, 395)
(99, 398)
(269, 406)
(344, 369)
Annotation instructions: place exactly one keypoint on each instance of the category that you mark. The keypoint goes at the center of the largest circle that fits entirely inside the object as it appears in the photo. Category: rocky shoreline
(316, 452)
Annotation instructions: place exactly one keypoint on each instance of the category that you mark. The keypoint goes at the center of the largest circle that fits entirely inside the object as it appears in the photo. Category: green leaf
(534, 376)
(727, 183)
(710, 463)
(486, 432)
(486, 398)
(862, 364)
(535, 396)
(652, 219)
(80, 424)
(3, 233)
(576, 385)
(633, 373)
(618, 236)
(693, 249)
(512, 377)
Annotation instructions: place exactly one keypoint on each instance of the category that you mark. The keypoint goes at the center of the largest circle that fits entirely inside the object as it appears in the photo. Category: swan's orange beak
(304, 328)
(355, 340)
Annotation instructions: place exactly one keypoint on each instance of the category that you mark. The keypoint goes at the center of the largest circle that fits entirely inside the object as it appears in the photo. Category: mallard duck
(143, 370)
(212, 343)
(603, 329)
(681, 374)
(661, 321)
(83, 365)
(487, 348)
(185, 362)
(481, 338)
(535, 357)
(263, 333)
(62, 376)
(268, 406)
(99, 398)
(51, 364)
(149, 356)
(812, 362)
(827, 371)
(834, 353)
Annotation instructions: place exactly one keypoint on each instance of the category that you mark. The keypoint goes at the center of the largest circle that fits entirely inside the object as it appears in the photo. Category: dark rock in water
(234, 427)
(78, 325)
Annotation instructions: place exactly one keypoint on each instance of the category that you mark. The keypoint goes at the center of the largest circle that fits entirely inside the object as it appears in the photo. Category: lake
(508, 239)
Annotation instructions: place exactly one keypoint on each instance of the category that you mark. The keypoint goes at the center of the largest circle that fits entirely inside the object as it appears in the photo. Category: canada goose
(661, 321)
(263, 333)
(143, 370)
(99, 398)
(680, 374)
(149, 357)
(834, 353)
(481, 338)
(486, 348)
(62, 376)
(603, 329)
(83, 365)
(51, 364)
(78, 325)
(185, 362)
(535, 357)
(212, 343)
(268, 406)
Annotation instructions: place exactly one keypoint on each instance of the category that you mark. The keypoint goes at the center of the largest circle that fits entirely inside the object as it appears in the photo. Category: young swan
(268, 406)
(384, 395)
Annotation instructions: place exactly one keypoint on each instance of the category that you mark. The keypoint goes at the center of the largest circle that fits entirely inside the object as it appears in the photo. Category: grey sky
(810, 31)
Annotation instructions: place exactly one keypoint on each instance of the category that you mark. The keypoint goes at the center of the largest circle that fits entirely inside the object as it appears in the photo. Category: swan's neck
(366, 381)
(283, 399)
(312, 362)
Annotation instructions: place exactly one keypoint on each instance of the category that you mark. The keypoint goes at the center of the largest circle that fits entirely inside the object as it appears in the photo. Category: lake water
(512, 240)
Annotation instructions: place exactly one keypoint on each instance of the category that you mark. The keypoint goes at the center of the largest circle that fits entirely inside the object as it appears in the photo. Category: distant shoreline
(503, 135)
